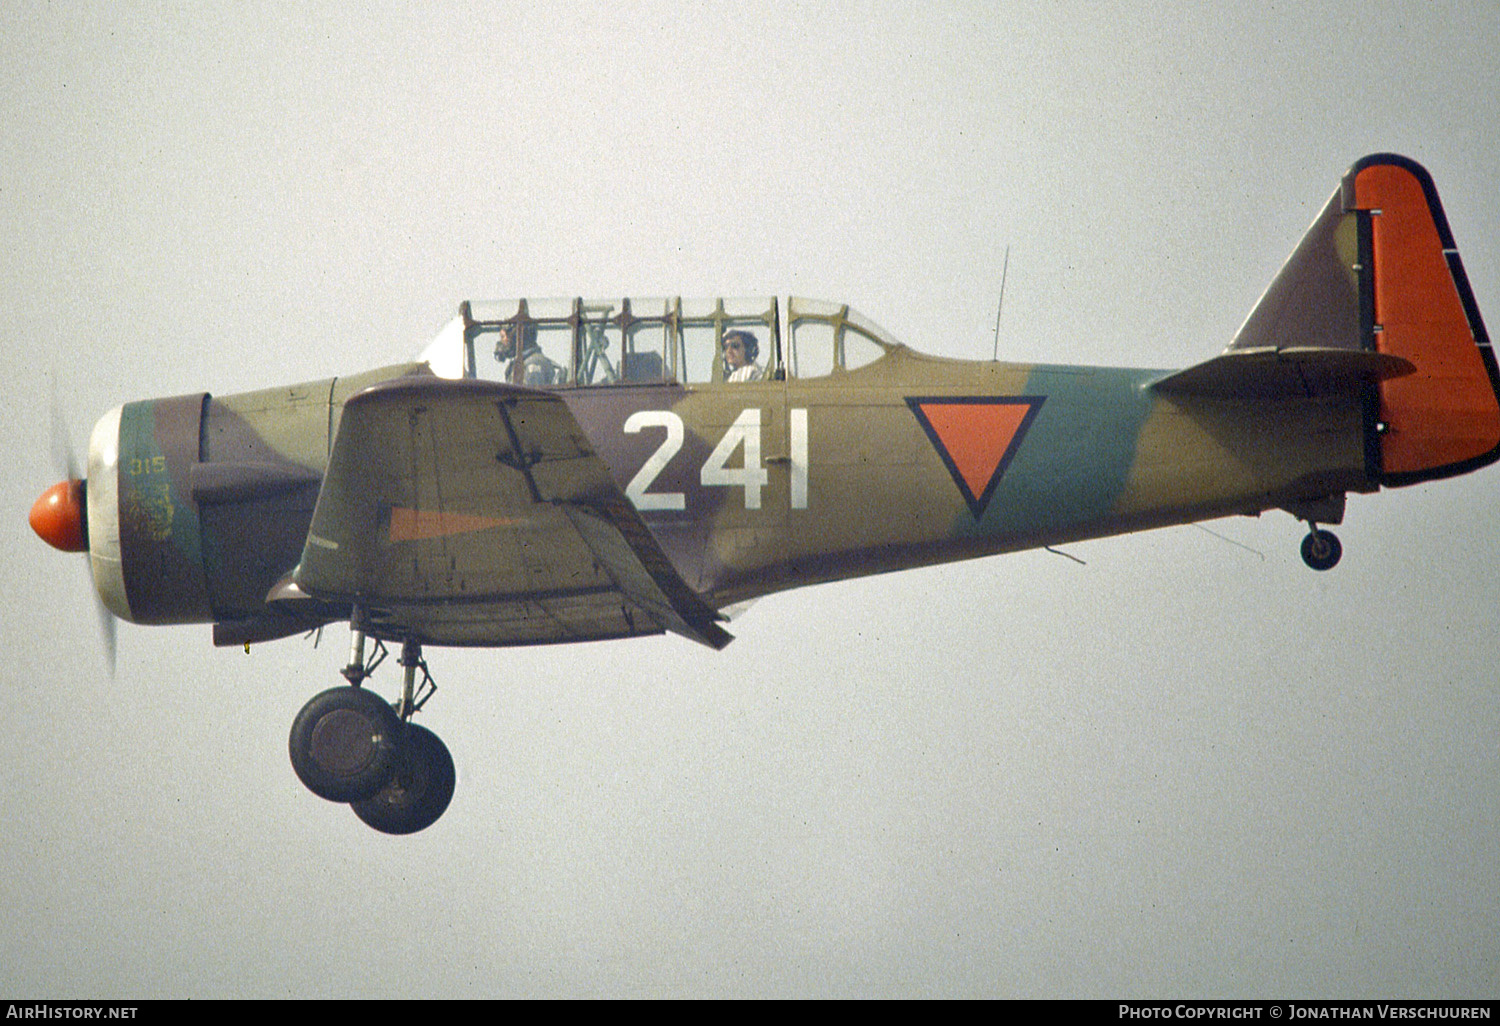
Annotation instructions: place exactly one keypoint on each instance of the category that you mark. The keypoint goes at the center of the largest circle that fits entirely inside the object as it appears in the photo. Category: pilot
(740, 350)
(536, 367)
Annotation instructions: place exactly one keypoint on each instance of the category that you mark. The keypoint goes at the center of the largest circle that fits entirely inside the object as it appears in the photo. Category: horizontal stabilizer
(1290, 372)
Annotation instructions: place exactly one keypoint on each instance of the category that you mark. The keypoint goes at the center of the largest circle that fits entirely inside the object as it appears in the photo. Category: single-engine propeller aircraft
(569, 470)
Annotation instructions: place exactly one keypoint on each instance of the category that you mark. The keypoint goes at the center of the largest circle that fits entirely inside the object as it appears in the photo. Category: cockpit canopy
(562, 343)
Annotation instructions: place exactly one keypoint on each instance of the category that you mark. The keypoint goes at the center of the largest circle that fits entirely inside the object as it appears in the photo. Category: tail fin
(1374, 302)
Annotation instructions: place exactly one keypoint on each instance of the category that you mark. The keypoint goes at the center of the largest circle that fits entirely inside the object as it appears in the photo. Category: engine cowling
(144, 527)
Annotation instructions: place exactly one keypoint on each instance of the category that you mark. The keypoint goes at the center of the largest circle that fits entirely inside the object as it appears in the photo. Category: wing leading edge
(478, 513)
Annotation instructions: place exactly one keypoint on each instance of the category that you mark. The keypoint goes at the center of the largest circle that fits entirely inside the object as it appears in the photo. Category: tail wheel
(344, 744)
(420, 789)
(1321, 549)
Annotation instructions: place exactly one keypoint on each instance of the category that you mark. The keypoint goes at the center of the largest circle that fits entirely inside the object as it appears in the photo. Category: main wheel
(343, 744)
(1321, 550)
(420, 789)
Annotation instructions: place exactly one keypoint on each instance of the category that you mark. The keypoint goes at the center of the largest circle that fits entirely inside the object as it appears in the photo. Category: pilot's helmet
(504, 349)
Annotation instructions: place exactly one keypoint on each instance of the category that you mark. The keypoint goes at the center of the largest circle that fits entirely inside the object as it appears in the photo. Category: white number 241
(744, 433)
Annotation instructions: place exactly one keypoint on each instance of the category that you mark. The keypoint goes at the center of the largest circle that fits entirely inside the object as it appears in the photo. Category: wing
(477, 513)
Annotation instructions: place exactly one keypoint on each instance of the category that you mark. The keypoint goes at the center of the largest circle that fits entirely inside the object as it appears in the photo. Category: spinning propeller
(60, 518)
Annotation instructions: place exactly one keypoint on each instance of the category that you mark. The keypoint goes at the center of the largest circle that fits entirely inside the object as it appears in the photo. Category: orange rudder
(1445, 418)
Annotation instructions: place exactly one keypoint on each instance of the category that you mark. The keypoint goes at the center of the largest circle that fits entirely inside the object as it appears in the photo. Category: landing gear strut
(349, 745)
(1321, 549)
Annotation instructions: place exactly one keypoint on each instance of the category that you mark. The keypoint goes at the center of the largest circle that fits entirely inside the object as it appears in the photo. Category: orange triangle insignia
(976, 436)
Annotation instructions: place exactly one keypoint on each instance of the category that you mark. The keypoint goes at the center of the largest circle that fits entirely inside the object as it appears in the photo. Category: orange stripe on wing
(421, 524)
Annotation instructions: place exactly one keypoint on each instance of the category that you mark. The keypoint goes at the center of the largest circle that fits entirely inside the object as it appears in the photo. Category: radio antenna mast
(1001, 306)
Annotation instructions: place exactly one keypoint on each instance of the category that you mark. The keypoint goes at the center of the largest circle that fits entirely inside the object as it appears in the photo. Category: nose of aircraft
(57, 517)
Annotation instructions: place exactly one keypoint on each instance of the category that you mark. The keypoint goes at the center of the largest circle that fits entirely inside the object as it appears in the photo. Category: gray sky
(1190, 767)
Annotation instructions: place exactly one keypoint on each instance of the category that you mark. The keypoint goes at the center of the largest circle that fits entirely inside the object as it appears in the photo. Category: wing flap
(477, 513)
(638, 566)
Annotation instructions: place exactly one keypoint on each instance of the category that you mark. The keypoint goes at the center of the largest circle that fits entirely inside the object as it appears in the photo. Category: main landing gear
(348, 745)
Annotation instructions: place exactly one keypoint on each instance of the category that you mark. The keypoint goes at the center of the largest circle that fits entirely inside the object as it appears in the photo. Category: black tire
(1321, 550)
(343, 744)
(420, 789)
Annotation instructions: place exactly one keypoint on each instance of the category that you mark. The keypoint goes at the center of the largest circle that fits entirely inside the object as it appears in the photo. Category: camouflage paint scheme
(488, 513)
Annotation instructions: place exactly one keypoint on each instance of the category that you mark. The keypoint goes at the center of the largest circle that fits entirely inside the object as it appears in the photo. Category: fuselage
(749, 487)
(853, 480)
